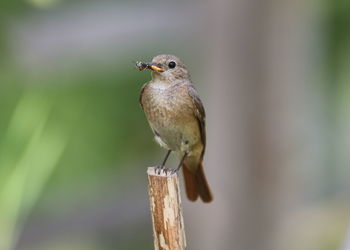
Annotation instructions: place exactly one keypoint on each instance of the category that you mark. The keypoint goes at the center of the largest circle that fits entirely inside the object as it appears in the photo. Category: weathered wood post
(166, 211)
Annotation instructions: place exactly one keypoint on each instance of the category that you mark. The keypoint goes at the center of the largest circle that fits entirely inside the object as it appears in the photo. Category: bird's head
(166, 68)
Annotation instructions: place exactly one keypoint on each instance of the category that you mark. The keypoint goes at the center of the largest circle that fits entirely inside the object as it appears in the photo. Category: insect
(141, 66)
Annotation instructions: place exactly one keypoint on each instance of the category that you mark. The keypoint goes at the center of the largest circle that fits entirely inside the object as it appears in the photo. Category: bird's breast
(166, 106)
(170, 115)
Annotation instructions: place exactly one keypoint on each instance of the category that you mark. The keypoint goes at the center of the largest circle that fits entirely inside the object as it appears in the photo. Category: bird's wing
(141, 93)
(199, 112)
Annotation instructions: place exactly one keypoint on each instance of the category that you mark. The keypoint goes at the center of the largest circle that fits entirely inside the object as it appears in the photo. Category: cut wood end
(165, 172)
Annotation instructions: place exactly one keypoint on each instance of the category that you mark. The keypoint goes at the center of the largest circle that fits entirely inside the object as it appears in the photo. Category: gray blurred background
(274, 77)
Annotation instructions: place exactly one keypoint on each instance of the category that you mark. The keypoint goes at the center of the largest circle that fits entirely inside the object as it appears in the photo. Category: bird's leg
(166, 158)
(181, 162)
(159, 168)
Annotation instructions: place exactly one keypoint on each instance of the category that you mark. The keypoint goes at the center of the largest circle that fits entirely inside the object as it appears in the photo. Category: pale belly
(174, 138)
(172, 121)
(174, 133)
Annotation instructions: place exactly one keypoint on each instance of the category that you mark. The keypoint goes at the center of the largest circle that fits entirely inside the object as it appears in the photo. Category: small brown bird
(177, 118)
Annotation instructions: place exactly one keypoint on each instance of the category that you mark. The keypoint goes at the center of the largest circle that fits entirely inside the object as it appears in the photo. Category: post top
(165, 172)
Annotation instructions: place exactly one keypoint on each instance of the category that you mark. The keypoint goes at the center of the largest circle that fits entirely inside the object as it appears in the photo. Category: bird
(176, 116)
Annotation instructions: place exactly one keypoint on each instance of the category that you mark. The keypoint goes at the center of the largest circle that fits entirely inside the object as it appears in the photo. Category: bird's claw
(159, 168)
(167, 171)
(174, 170)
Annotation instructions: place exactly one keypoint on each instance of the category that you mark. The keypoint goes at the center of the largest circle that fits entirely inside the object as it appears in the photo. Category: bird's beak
(155, 67)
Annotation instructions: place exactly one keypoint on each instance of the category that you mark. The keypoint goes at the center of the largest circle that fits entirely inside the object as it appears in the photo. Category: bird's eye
(172, 64)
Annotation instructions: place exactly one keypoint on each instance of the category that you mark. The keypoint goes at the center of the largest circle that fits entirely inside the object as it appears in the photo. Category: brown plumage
(177, 118)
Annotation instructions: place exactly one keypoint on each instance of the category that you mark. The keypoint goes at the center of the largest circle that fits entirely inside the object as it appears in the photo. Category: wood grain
(166, 211)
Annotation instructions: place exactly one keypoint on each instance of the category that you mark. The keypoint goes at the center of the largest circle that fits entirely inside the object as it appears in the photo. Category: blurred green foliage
(335, 79)
(78, 123)
(338, 21)
(77, 126)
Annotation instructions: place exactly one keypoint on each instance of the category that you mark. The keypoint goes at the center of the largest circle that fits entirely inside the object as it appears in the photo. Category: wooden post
(166, 212)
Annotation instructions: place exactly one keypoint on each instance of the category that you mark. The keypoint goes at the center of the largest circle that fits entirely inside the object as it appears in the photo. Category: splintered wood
(166, 211)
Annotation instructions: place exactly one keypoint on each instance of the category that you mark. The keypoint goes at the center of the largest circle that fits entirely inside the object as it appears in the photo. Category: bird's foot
(174, 170)
(159, 168)
(167, 171)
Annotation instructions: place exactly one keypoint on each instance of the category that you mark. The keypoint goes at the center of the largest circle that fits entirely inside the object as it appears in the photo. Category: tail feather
(190, 184)
(196, 184)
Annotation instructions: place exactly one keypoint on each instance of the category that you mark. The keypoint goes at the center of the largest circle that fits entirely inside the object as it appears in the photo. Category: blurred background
(274, 77)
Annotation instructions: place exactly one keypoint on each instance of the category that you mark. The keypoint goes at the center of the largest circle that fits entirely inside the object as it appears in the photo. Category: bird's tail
(196, 184)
